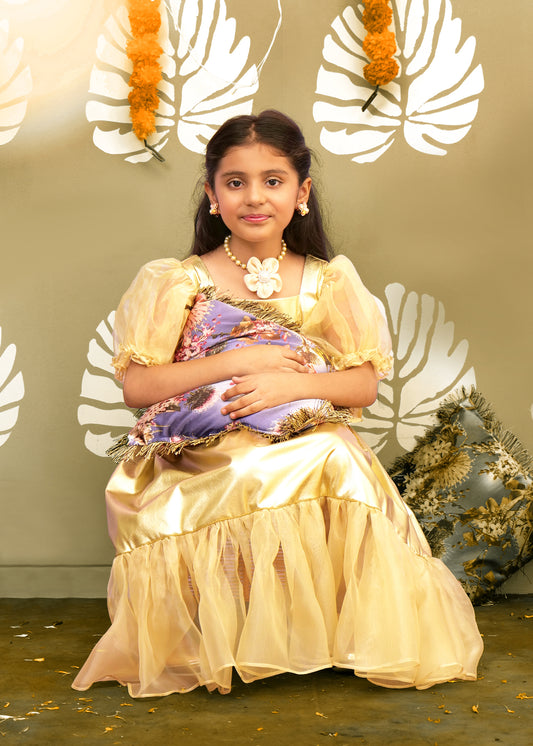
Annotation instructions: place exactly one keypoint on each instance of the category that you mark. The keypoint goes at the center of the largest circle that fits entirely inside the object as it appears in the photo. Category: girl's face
(257, 191)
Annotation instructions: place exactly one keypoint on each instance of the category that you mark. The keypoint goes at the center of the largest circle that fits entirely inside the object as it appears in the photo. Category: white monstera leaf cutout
(432, 102)
(217, 84)
(11, 390)
(205, 66)
(15, 84)
(429, 365)
(103, 412)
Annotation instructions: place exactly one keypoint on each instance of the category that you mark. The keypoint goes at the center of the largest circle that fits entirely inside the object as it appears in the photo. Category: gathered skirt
(265, 558)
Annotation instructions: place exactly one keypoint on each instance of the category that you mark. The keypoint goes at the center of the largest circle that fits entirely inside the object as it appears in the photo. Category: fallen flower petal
(475, 708)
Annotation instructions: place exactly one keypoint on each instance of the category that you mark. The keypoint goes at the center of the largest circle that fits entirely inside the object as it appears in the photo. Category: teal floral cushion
(469, 483)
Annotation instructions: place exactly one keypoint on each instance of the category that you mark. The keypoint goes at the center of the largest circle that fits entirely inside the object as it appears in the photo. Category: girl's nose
(255, 194)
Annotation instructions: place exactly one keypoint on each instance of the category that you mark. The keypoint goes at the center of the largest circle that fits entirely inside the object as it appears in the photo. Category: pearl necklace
(262, 277)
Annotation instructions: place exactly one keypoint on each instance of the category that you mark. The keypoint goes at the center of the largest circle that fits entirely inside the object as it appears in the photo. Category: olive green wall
(77, 223)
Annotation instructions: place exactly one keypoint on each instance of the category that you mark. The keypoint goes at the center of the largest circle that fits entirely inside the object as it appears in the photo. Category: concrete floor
(44, 641)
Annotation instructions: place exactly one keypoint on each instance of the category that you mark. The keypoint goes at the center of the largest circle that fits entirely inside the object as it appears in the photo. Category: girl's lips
(255, 218)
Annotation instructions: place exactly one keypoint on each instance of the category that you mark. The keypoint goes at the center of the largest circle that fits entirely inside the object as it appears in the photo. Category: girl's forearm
(146, 385)
(354, 387)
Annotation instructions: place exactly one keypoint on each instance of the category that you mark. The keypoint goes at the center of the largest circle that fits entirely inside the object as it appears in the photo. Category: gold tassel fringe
(295, 423)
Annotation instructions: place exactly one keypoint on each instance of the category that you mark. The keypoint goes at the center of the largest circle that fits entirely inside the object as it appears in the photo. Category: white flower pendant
(263, 278)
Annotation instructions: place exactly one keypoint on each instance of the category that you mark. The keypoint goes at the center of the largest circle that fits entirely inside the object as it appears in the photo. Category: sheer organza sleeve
(151, 315)
(348, 321)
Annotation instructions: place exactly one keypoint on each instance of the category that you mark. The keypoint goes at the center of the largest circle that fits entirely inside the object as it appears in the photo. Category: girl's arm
(355, 387)
(146, 385)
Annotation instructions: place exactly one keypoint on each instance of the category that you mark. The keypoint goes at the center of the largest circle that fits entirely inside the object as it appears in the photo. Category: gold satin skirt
(269, 558)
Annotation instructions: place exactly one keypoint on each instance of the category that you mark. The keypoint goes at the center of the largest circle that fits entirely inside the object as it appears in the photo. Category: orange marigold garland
(379, 46)
(144, 51)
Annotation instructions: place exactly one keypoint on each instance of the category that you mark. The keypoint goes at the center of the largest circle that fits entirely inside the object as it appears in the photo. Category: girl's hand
(268, 358)
(253, 393)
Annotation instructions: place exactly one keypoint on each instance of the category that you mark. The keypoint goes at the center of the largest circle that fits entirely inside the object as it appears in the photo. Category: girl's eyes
(237, 183)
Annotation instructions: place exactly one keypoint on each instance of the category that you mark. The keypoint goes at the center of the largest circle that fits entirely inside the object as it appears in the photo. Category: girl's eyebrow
(271, 171)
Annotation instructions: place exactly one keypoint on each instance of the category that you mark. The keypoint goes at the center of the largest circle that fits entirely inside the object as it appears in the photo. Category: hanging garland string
(379, 46)
(144, 51)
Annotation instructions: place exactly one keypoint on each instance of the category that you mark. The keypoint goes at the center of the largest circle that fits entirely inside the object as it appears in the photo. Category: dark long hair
(303, 235)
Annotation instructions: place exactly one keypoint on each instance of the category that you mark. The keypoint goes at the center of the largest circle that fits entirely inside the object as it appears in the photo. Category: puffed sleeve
(348, 321)
(151, 315)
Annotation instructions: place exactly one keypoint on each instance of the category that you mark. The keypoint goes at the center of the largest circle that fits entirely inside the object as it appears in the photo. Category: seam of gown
(278, 507)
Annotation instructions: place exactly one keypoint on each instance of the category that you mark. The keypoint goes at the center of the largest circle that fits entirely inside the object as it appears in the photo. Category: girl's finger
(237, 400)
(293, 355)
(242, 407)
(238, 388)
(297, 366)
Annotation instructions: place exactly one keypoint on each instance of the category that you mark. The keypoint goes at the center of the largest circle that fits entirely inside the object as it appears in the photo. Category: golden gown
(270, 557)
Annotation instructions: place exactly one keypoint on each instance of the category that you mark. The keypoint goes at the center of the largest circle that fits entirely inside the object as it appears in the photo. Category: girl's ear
(304, 190)
(210, 193)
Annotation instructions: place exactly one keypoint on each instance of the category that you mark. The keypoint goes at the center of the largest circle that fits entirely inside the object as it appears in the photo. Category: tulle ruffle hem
(291, 589)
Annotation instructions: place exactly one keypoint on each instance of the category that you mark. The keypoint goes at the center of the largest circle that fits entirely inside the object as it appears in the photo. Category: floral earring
(302, 208)
(213, 208)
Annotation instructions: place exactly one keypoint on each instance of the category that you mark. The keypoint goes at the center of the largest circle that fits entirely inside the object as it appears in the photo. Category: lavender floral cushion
(195, 418)
(469, 484)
